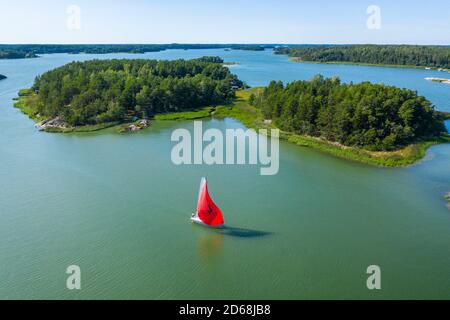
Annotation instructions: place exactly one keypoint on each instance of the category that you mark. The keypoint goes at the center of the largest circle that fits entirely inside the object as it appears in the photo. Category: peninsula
(429, 57)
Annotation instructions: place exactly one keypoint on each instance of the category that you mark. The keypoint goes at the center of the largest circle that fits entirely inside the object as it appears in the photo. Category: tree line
(14, 54)
(101, 91)
(408, 55)
(18, 51)
(371, 116)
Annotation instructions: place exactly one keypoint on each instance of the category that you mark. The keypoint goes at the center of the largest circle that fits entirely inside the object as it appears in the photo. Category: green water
(116, 206)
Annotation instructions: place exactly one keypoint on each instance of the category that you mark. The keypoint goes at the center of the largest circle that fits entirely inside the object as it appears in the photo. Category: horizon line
(222, 44)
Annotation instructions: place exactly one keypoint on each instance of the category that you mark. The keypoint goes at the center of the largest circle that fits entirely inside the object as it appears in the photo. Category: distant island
(21, 51)
(440, 80)
(13, 54)
(87, 96)
(2, 77)
(437, 57)
(248, 48)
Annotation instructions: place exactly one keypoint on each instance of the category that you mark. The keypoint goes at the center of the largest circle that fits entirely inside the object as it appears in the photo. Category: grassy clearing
(403, 157)
(25, 102)
(242, 111)
(187, 115)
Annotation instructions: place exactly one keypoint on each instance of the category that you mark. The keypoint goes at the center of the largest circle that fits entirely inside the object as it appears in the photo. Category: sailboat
(208, 214)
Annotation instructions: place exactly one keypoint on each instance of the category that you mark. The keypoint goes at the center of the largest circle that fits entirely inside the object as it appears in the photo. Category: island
(249, 47)
(440, 80)
(12, 54)
(428, 57)
(21, 51)
(2, 77)
(93, 95)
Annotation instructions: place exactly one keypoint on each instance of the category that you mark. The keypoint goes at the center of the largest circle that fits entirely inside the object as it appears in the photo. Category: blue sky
(219, 21)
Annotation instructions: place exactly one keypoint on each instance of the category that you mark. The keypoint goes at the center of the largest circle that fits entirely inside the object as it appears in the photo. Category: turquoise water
(116, 206)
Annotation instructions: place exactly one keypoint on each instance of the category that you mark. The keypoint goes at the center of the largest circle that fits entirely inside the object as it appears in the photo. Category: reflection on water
(210, 246)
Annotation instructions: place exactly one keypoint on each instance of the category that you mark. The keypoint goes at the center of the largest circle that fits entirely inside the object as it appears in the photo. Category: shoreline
(21, 104)
(250, 117)
(297, 59)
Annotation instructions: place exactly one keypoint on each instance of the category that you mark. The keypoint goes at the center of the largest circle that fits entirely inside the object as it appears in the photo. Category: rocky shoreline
(138, 125)
(440, 80)
(59, 125)
(56, 123)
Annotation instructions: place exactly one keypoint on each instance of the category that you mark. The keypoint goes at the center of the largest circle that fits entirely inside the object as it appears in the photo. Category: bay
(116, 206)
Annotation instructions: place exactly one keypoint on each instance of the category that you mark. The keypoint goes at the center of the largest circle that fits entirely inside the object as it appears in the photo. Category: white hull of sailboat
(197, 220)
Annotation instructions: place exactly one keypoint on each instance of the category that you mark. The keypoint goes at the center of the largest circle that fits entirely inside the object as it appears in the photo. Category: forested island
(21, 51)
(14, 54)
(2, 77)
(402, 55)
(102, 92)
(249, 47)
(373, 117)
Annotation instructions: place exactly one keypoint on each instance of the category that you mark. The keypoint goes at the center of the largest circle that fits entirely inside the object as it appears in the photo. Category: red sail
(207, 210)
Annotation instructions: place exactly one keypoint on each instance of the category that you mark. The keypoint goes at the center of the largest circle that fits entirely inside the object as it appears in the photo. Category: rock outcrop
(57, 123)
(136, 126)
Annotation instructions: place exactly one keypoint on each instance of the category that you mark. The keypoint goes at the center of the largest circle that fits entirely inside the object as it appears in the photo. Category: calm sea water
(116, 206)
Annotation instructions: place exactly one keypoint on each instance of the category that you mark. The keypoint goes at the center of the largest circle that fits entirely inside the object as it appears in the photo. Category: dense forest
(249, 48)
(102, 91)
(371, 116)
(408, 55)
(2, 77)
(31, 50)
(14, 54)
